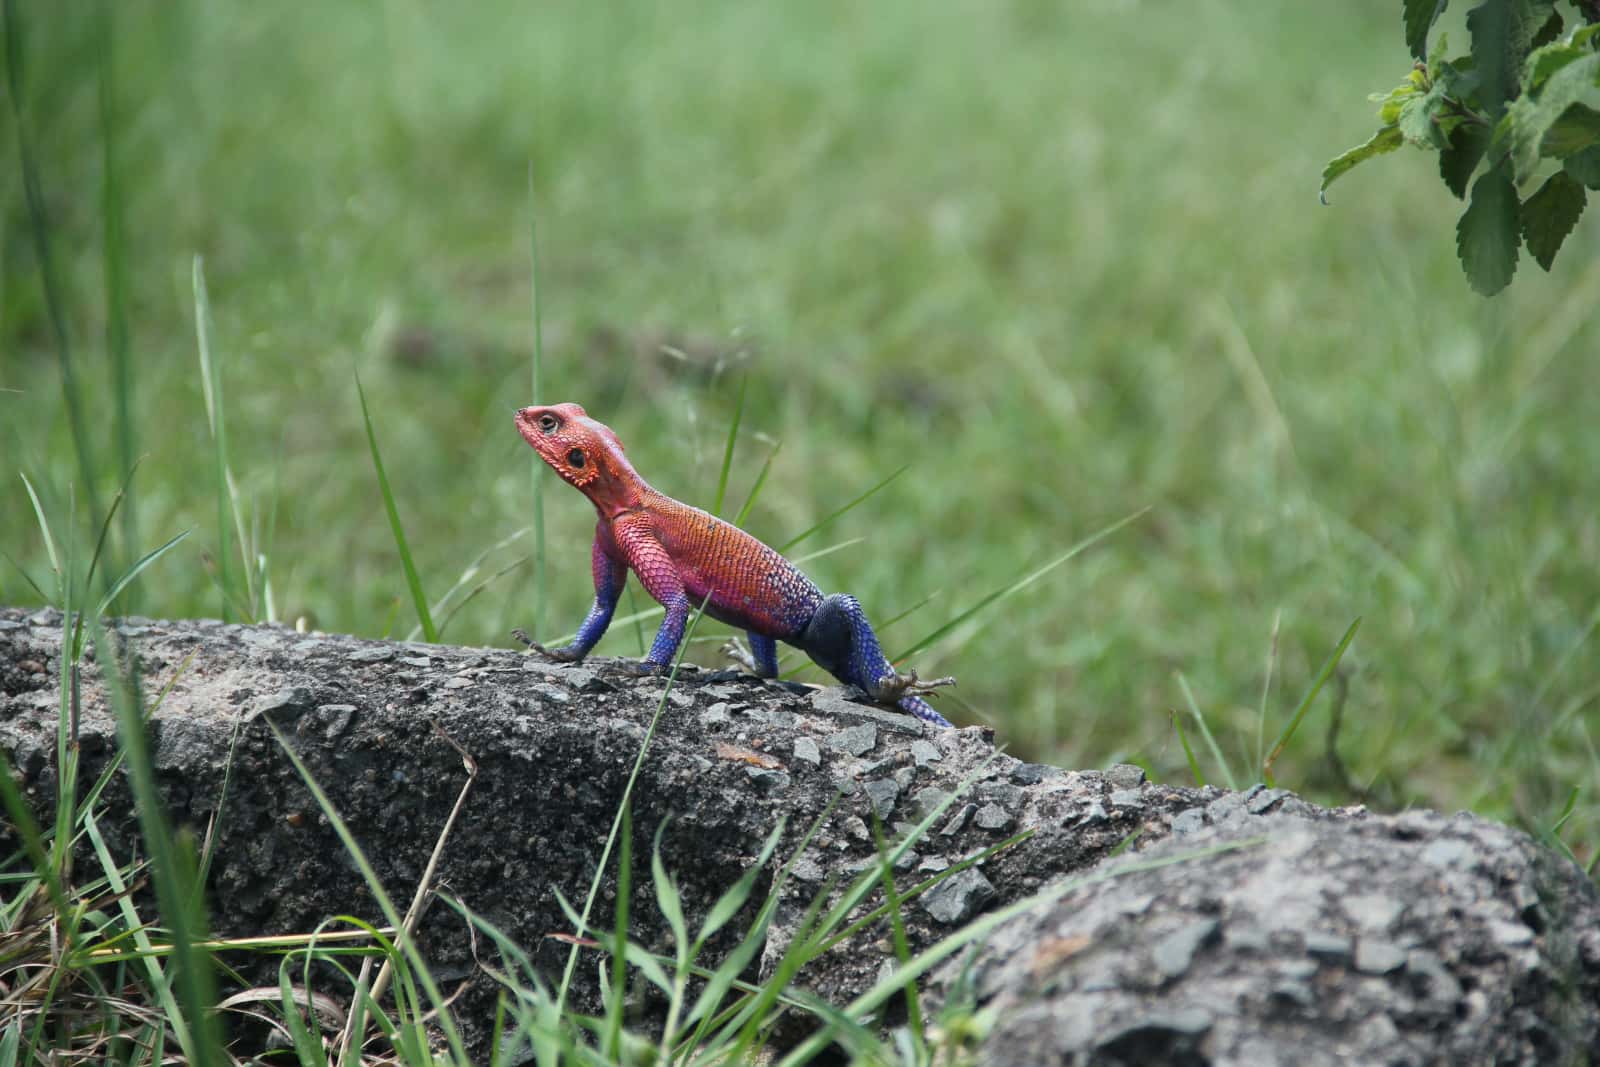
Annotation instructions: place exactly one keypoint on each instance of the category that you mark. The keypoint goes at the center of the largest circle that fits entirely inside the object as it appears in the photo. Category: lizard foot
(560, 655)
(891, 689)
(736, 651)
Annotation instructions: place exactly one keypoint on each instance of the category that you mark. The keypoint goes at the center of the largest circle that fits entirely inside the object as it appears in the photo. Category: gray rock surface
(1230, 928)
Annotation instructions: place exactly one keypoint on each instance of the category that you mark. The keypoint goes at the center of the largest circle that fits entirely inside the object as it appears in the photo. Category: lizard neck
(616, 487)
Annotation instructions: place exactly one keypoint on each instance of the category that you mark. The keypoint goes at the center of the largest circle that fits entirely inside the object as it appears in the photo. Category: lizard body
(684, 556)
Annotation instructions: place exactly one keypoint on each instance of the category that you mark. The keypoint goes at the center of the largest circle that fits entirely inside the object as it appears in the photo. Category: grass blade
(825, 521)
(1323, 675)
(1206, 735)
(535, 464)
(172, 865)
(755, 490)
(380, 896)
(727, 451)
(418, 597)
(627, 797)
(134, 571)
(114, 259)
(211, 385)
(1021, 583)
(50, 281)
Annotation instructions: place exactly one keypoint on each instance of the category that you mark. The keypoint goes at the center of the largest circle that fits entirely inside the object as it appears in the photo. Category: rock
(1125, 776)
(1174, 952)
(994, 817)
(1379, 957)
(857, 740)
(1127, 798)
(1437, 940)
(1327, 946)
(958, 897)
(881, 794)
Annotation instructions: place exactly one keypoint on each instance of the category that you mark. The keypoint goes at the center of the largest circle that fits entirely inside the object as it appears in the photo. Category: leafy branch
(1523, 102)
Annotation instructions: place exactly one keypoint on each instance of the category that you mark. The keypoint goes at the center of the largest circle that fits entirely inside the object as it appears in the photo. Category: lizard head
(584, 452)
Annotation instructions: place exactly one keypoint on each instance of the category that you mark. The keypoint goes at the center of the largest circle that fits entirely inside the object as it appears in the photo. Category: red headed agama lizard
(685, 556)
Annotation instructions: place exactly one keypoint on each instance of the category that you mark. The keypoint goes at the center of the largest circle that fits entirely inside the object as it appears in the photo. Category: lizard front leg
(841, 640)
(610, 575)
(658, 573)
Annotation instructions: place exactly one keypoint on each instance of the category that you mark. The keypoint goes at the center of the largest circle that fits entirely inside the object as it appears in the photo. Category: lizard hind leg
(840, 639)
(761, 659)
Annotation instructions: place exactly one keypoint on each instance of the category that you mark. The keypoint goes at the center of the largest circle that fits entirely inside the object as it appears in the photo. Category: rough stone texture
(1471, 945)
(1271, 931)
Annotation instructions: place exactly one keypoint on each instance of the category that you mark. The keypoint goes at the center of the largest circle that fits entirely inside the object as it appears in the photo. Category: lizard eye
(575, 458)
(549, 423)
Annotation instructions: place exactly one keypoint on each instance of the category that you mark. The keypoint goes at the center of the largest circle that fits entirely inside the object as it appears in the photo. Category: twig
(419, 900)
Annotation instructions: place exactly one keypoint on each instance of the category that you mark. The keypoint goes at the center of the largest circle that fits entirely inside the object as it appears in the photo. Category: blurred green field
(1066, 261)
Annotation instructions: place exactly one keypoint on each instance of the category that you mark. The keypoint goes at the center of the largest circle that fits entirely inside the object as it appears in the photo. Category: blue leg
(841, 640)
(670, 636)
(764, 653)
(610, 575)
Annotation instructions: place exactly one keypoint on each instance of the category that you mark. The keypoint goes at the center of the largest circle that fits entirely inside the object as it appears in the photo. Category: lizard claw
(890, 689)
(736, 651)
(560, 655)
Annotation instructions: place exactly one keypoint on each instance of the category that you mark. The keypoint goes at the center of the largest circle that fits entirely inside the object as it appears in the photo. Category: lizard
(685, 556)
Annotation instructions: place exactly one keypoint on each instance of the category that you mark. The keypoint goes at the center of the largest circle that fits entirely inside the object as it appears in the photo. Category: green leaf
(1585, 166)
(1522, 131)
(1503, 31)
(1550, 214)
(1577, 129)
(1488, 234)
(1461, 156)
(1385, 140)
(1420, 15)
(1416, 120)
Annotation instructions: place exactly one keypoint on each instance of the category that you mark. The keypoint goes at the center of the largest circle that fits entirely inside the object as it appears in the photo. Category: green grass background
(1065, 260)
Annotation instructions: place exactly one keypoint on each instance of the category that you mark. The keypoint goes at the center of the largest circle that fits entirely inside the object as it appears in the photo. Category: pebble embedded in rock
(1448, 852)
(958, 898)
(285, 703)
(1188, 821)
(806, 749)
(1329, 947)
(1094, 814)
(1379, 957)
(1175, 952)
(925, 752)
(370, 655)
(459, 683)
(881, 794)
(1264, 801)
(958, 821)
(1373, 911)
(1127, 798)
(1125, 776)
(1030, 773)
(1510, 934)
(994, 817)
(927, 799)
(857, 740)
(768, 783)
(1291, 992)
